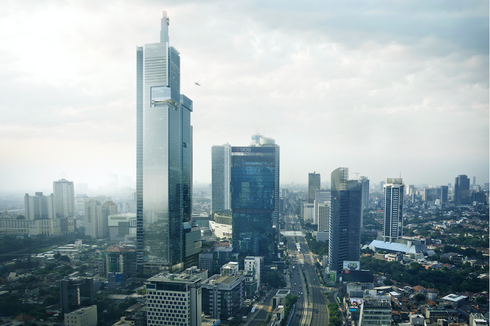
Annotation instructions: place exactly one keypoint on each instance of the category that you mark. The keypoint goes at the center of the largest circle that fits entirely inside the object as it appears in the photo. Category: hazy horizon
(383, 88)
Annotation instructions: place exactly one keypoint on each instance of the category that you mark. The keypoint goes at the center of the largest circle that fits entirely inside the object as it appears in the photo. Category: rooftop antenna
(63, 176)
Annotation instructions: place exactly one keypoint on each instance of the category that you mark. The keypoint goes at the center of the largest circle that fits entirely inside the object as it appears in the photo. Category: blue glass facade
(253, 200)
(345, 220)
(164, 157)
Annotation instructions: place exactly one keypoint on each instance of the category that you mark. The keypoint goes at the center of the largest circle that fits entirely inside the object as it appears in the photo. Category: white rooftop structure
(409, 247)
(454, 297)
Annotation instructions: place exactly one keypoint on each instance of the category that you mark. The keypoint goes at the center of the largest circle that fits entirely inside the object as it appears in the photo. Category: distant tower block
(393, 214)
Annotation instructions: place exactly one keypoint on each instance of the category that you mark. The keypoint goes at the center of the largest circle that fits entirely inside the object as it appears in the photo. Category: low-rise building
(86, 316)
(455, 300)
(223, 293)
(477, 319)
(375, 311)
(47, 227)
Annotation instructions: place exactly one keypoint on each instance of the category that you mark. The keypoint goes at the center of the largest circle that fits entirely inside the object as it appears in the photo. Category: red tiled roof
(24, 317)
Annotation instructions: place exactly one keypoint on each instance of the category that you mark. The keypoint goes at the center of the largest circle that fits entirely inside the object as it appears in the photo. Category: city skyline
(384, 89)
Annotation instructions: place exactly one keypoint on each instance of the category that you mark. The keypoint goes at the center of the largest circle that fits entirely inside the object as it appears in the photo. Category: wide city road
(311, 308)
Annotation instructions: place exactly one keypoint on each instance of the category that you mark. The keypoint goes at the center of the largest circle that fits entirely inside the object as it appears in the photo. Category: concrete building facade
(174, 299)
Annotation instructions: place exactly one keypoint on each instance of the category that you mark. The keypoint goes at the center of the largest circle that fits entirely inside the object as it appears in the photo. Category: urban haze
(254, 163)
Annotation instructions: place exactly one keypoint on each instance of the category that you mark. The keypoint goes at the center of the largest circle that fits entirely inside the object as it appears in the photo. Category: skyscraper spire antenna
(165, 22)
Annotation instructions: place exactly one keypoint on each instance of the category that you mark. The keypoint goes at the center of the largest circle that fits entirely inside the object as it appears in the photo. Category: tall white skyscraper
(164, 156)
(221, 169)
(393, 215)
(64, 198)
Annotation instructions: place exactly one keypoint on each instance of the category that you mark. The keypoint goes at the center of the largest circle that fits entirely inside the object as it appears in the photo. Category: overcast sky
(381, 87)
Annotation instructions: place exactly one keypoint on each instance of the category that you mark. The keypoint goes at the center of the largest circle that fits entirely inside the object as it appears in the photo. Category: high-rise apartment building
(255, 198)
(393, 209)
(345, 220)
(64, 198)
(314, 183)
(221, 169)
(164, 156)
(97, 218)
(323, 221)
(321, 196)
(94, 223)
(39, 207)
(174, 299)
(323, 216)
(108, 208)
(462, 195)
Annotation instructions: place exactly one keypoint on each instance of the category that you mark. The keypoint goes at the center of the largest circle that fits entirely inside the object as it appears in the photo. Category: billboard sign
(250, 149)
(352, 266)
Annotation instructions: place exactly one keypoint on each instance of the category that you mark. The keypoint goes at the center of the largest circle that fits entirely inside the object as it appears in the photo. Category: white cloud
(382, 88)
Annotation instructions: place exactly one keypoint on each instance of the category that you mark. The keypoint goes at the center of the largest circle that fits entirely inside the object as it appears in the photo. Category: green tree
(64, 258)
(482, 300)
(388, 282)
(274, 280)
(419, 297)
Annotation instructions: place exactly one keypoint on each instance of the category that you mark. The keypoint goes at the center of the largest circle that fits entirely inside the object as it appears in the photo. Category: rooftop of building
(407, 247)
(174, 277)
(120, 249)
(122, 216)
(222, 279)
(358, 276)
(376, 303)
(454, 297)
(223, 248)
(81, 310)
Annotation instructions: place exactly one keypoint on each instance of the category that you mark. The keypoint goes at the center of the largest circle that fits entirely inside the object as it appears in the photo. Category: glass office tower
(253, 198)
(345, 220)
(314, 184)
(164, 156)
(462, 194)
